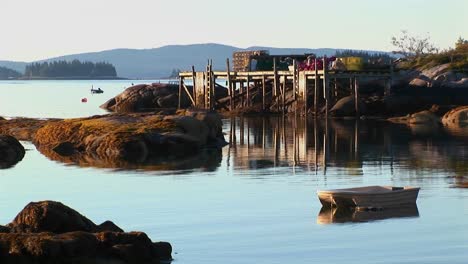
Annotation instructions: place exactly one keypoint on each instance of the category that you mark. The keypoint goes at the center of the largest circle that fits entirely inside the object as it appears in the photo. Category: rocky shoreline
(138, 138)
(51, 232)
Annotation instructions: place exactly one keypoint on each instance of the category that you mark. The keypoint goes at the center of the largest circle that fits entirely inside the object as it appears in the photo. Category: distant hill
(160, 62)
(7, 73)
(14, 65)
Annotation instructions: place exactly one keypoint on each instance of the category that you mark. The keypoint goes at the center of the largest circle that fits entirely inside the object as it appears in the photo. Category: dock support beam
(316, 88)
(356, 97)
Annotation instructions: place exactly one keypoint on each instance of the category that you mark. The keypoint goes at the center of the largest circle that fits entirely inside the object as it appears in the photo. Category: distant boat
(96, 91)
(370, 197)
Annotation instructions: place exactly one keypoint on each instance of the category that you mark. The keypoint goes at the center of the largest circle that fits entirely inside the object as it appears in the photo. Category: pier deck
(304, 89)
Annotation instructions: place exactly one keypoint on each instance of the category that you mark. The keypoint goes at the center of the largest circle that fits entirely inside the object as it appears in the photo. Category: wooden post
(180, 92)
(283, 97)
(326, 89)
(241, 92)
(316, 88)
(356, 97)
(194, 86)
(229, 85)
(294, 80)
(351, 87)
(388, 87)
(335, 91)
(248, 91)
(302, 86)
(275, 83)
(213, 87)
(263, 92)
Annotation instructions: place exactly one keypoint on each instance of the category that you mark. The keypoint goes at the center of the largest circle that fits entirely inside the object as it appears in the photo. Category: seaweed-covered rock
(132, 137)
(11, 151)
(22, 128)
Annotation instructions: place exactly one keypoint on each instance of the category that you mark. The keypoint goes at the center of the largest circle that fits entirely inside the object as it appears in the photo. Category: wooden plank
(316, 88)
(263, 93)
(180, 92)
(356, 97)
(188, 93)
(248, 91)
(199, 85)
(194, 85)
(229, 85)
(326, 88)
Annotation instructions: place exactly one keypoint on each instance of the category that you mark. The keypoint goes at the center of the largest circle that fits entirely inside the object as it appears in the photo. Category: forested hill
(7, 73)
(162, 61)
(70, 69)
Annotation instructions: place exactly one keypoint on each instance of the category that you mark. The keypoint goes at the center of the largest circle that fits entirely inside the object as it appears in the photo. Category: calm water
(256, 201)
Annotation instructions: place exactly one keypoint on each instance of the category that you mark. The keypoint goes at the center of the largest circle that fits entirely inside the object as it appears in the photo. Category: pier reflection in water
(349, 215)
(317, 145)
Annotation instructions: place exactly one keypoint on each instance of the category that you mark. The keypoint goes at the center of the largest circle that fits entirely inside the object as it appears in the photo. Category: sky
(40, 29)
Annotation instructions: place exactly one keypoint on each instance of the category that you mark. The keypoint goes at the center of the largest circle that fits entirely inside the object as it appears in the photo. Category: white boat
(369, 197)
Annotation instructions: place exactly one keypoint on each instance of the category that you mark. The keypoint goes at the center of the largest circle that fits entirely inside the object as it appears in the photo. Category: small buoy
(84, 100)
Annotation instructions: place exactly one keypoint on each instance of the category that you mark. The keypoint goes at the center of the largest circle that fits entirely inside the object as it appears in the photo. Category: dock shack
(279, 83)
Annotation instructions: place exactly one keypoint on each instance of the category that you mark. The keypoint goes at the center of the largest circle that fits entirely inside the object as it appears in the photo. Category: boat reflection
(337, 215)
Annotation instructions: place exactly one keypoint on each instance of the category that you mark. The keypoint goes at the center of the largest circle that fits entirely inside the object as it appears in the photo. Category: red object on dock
(84, 100)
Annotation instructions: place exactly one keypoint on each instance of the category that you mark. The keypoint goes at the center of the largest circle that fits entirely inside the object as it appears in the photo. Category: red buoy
(84, 100)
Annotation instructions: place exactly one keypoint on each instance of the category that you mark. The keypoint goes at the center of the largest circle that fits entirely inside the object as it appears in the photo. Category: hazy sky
(38, 29)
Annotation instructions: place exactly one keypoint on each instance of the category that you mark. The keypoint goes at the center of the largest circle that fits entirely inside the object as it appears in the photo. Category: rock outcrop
(346, 107)
(436, 76)
(133, 137)
(152, 140)
(50, 231)
(149, 97)
(22, 128)
(456, 117)
(11, 151)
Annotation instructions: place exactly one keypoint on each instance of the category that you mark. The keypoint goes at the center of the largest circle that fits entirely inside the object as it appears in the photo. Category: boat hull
(369, 197)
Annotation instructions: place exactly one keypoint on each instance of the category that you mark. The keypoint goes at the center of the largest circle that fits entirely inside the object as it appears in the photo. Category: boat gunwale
(349, 191)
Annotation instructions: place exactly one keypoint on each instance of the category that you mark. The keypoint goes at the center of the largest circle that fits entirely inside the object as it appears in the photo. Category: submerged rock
(50, 231)
(11, 151)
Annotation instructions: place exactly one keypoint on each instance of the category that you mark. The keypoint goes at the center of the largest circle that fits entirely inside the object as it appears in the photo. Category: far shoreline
(64, 78)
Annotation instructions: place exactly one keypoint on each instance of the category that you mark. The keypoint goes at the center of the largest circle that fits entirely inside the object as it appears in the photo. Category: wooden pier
(280, 91)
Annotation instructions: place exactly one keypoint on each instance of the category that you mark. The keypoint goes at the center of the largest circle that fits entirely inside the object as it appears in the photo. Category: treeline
(7, 73)
(69, 69)
(371, 58)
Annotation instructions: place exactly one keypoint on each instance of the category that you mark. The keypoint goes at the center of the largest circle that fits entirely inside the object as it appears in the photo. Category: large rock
(50, 216)
(50, 231)
(456, 117)
(11, 151)
(22, 128)
(144, 97)
(132, 137)
(151, 97)
(437, 76)
(346, 107)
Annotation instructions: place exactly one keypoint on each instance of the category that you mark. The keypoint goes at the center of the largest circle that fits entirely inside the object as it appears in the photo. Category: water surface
(257, 202)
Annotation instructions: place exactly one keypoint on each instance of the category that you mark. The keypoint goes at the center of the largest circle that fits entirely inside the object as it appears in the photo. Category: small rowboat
(370, 197)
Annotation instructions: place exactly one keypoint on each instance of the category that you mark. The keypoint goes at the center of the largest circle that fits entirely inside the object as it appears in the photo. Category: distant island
(74, 69)
(62, 70)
